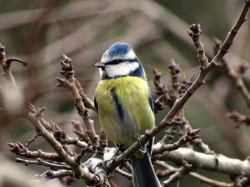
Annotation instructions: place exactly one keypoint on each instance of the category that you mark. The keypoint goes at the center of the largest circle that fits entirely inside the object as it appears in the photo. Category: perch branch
(218, 163)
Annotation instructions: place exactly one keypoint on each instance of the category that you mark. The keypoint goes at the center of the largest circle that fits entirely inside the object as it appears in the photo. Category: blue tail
(144, 175)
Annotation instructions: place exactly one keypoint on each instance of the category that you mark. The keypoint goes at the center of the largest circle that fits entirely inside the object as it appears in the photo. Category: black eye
(103, 68)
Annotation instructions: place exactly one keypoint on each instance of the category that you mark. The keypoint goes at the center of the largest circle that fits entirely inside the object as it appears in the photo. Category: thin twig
(179, 174)
(42, 163)
(21, 150)
(233, 74)
(33, 139)
(124, 173)
(70, 83)
(162, 147)
(195, 35)
(56, 174)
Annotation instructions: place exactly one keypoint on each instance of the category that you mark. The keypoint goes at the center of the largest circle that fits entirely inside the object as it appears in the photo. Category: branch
(218, 163)
(70, 83)
(124, 173)
(209, 181)
(202, 179)
(162, 90)
(86, 101)
(80, 131)
(42, 163)
(179, 174)
(239, 118)
(234, 75)
(33, 139)
(162, 147)
(6, 67)
(175, 71)
(231, 35)
(56, 174)
(195, 35)
(19, 149)
(57, 138)
(198, 142)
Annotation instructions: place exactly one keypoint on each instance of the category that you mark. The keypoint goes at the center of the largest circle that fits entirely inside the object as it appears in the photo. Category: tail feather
(143, 172)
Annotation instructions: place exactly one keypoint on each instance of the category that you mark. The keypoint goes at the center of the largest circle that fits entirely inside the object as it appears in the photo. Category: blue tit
(125, 107)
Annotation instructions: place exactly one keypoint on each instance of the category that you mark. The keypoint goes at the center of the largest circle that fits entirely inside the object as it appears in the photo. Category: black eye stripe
(117, 61)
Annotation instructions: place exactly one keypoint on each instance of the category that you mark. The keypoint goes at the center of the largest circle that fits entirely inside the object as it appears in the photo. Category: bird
(125, 107)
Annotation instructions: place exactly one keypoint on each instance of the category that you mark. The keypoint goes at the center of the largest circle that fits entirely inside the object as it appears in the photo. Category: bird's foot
(142, 148)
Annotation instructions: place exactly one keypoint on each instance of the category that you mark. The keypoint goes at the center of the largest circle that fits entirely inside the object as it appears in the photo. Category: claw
(142, 148)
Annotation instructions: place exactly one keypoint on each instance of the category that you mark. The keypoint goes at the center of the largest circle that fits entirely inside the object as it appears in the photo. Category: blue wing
(151, 142)
(151, 102)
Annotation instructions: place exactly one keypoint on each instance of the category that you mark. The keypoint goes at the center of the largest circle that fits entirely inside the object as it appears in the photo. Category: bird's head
(119, 61)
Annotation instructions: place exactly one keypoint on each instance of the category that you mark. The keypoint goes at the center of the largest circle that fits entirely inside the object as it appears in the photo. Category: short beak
(99, 64)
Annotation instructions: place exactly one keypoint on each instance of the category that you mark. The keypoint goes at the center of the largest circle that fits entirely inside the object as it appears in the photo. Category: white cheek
(100, 72)
(121, 69)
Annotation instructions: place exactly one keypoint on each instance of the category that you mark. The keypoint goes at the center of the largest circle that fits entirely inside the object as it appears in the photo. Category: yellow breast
(124, 109)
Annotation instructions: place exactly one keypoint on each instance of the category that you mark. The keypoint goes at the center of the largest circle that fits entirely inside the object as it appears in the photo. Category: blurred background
(39, 32)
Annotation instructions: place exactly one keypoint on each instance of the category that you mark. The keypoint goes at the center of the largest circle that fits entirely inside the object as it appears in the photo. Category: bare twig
(195, 35)
(175, 71)
(162, 147)
(19, 149)
(71, 83)
(162, 90)
(86, 101)
(202, 179)
(239, 118)
(218, 163)
(77, 142)
(56, 174)
(159, 104)
(80, 131)
(42, 163)
(33, 139)
(234, 75)
(123, 173)
(6, 64)
(179, 174)
(231, 35)
(209, 181)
